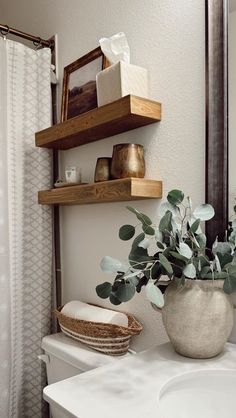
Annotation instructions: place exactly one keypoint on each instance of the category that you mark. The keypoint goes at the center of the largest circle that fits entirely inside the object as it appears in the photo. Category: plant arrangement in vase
(172, 258)
(231, 233)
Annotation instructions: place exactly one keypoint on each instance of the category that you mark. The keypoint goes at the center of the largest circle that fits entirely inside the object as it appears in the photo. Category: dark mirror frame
(217, 116)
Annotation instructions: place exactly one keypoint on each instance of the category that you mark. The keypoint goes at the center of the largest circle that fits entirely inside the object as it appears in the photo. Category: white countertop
(129, 388)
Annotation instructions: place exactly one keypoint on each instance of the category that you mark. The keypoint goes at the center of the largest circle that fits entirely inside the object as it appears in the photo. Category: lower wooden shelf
(107, 191)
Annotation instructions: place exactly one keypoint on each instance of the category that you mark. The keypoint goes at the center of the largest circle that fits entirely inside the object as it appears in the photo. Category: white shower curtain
(25, 228)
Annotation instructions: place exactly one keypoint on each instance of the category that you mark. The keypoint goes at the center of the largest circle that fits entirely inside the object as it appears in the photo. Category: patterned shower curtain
(25, 228)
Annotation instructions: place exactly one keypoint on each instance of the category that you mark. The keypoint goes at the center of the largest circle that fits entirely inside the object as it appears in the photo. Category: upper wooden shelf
(127, 113)
(106, 191)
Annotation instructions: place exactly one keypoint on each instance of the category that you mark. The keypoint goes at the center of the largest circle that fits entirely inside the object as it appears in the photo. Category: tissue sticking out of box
(116, 48)
(121, 78)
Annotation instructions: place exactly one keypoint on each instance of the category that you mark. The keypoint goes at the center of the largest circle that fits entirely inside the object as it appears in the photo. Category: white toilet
(65, 358)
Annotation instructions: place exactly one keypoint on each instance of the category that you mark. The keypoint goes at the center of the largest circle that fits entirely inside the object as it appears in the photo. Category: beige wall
(167, 37)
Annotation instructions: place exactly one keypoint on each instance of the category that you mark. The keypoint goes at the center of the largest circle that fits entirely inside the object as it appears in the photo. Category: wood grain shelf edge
(110, 191)
(127, 113)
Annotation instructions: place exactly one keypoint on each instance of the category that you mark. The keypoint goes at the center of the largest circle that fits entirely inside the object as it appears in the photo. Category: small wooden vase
(127, 161)
(103, 169)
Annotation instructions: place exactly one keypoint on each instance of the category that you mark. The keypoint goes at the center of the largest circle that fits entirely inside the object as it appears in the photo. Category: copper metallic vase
(127, 161)
(103, 169)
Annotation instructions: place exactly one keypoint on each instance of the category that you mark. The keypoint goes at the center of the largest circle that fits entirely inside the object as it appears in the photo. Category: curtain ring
(5, 32)
(38, 42)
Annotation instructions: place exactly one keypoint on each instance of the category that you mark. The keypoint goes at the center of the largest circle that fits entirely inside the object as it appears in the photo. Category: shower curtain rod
(5, 30)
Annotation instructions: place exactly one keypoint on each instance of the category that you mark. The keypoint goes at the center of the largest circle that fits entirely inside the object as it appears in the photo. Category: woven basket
(107, 338)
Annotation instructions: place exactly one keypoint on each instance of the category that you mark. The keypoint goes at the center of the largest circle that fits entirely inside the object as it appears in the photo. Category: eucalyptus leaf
(230, 285)
(232, 238)
(182, 281)
(134, 281)
(155, 307)
(138, 257)
(137, 240)
(125, 292)
(148, 229)
(142, 282)
(141, 216)
(104, 290)
(166, 206)
(176, 226)
(195, 225)
(178, 256)
(231, 268)
(189, 202)
(214, 245)
(175, 197)
(166, 264)
(109, 264)
(195, 242)
(234, 224)
(185, 250)
(145, 243)
(156, 271)
(204, 212)
(147, 274)
(234, 260)
(222, 248)
(114, 300)
(126, 232)
(201, 240)
(165, 222)
(133, 210)
(158, 235)
(189, 271)
(222, 275)
(160, 245)
(154, 294)
(144, 219)
(203, 259)
(225, 259)
(218, 265)
(204, 272)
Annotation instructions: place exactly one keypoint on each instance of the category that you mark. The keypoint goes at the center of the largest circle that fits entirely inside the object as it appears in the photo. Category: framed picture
(79, 93)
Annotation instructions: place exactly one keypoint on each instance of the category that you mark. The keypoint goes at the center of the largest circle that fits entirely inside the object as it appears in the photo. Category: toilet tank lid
(74, 352)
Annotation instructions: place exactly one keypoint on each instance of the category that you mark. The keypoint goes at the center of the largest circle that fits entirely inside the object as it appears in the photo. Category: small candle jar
(73, 174)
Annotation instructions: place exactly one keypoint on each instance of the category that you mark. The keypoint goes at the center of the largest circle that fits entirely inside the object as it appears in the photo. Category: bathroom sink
(157, 383)
(201, 393)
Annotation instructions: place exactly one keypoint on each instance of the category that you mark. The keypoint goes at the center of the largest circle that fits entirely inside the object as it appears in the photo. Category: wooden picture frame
(72, 104)
(217, 117)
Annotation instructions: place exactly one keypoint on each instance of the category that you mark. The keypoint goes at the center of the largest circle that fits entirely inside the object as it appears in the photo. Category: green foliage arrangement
(176, 248)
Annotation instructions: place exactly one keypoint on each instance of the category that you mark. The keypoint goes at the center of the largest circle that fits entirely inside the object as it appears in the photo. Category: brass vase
(127, 161)
(103, 169)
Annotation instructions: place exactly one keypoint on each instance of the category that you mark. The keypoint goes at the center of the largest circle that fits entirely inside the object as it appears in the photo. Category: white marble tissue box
(119, 80)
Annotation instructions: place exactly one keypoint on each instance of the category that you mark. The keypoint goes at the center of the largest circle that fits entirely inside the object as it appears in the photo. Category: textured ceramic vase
(127, 161)
(198, 317)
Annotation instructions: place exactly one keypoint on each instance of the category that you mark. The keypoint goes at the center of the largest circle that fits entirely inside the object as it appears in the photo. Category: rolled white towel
(80, 310)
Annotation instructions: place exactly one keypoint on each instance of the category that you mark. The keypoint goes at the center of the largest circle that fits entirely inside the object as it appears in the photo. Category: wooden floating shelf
(129, 112)
(107, 191)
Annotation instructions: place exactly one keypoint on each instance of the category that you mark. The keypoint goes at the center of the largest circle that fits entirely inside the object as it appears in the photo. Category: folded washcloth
(80, 310)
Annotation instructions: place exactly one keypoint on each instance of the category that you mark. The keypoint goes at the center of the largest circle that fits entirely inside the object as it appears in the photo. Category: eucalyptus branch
(183, 253)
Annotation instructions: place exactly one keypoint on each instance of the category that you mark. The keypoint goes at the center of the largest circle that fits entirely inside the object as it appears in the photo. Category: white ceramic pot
(198, 317)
